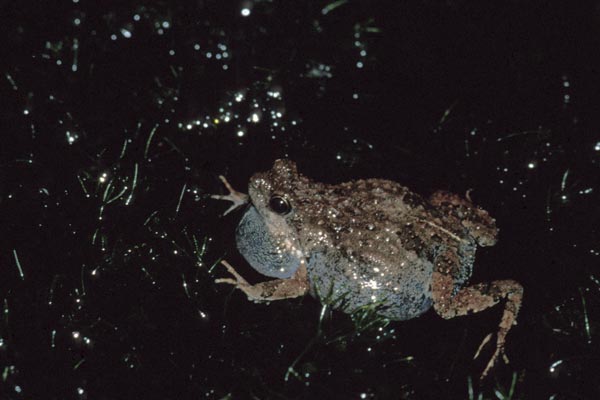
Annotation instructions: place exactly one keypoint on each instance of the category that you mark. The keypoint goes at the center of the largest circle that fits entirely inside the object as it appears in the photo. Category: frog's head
(266, 236)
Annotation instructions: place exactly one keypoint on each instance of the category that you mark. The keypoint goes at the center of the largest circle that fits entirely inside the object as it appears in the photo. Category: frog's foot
(237, 198)
(475, 298)
(277, 289)
(499, 352)
(238, 281)
(484, 342)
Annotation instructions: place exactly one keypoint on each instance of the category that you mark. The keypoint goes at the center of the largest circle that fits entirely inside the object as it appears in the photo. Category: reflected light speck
(554, 365)
(18, 263)
(71, 137)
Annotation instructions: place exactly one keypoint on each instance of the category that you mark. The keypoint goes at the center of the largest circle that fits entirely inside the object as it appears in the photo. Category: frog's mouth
(267, 249)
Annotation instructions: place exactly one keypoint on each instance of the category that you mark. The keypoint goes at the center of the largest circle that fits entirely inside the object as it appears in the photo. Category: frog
(367, 242)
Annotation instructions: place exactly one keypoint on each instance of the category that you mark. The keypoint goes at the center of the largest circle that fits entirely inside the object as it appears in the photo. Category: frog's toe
(488, 367)
(485, 341)
(227, 280)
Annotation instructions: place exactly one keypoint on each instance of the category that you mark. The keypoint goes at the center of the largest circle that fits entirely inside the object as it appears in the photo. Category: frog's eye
(279, 204)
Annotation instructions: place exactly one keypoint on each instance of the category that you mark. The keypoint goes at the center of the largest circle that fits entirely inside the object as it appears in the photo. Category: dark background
(117, 117)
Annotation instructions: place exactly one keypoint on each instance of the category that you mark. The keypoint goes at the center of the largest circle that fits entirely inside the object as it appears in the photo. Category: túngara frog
(367, 241)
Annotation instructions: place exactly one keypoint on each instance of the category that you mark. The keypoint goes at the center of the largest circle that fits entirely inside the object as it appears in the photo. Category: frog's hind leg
(475, 298)
(277, 289)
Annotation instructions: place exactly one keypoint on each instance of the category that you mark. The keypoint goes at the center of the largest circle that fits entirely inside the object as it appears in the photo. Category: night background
(118, 117)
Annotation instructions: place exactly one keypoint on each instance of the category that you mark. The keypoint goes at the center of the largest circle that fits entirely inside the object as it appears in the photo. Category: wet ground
(117, 119)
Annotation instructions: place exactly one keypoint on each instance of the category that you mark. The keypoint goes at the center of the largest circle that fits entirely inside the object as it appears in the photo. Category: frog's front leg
(475, 298)
(277, 289)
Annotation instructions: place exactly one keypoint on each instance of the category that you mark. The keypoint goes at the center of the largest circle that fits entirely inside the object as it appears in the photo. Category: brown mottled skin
(366, 241)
